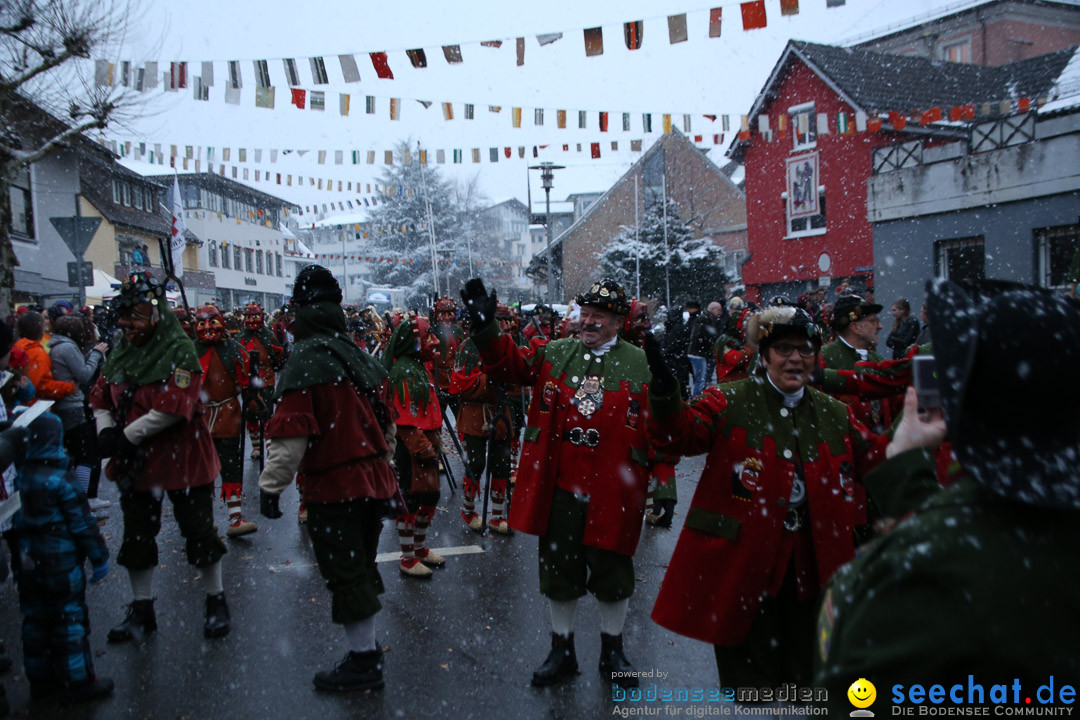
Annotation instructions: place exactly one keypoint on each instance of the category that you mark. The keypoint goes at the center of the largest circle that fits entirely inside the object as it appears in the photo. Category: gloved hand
(106, 441)
(12, 445)
(268, 505)
(100, 572)
(663, 380)
(479, 304)
(254, 404)
(124, 448)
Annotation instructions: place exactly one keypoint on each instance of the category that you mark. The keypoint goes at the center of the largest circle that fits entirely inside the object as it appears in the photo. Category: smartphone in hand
(926, 381)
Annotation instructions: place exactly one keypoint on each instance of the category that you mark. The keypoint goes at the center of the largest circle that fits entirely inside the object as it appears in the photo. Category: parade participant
(450, 337)
(54, 535)
(257, 338)
(675, 343)
(581, 484)
(186, 322)
(704, 330)
(225, 386)
(484, 419)
(419, 421)
(510, 323)
(856, 324)
(333, 431)
(903, 612)
(31, 328)
(773, 515)
(151, 424)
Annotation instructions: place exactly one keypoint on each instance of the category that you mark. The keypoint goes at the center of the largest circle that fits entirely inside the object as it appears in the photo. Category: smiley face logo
(862, 695)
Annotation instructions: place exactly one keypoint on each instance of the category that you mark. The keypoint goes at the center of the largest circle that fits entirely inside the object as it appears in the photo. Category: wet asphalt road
(463, 644)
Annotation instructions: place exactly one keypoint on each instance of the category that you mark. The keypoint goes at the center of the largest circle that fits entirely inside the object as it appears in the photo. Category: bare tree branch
(55, 142)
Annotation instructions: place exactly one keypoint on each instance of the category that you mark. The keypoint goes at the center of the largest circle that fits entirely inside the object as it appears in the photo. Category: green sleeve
(903, 483)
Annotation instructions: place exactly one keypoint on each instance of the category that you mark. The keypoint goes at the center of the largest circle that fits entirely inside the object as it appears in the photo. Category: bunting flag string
(753, 14)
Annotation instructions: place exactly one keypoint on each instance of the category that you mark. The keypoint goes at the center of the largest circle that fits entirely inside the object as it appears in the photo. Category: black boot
(560, 663)
(614, 667)
(87, 690)
(357, 671)
(217, 616)
(664, 521)
(137, 624)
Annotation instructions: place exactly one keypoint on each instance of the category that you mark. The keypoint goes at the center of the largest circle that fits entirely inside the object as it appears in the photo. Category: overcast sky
(699, 76)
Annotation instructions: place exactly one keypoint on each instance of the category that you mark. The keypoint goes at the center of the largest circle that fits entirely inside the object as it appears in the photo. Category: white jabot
(863, 354)
(790, 399)
(603, 349)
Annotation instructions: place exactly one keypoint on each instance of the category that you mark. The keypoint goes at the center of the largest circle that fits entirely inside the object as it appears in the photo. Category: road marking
(388, 557)
(459, 550)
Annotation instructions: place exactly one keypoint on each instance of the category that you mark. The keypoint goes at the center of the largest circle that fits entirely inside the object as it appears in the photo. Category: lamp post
(547, 175)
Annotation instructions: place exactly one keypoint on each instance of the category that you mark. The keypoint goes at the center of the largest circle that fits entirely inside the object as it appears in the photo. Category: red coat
(615, 471)
(346, 451)
(182, 455)
(734, 549)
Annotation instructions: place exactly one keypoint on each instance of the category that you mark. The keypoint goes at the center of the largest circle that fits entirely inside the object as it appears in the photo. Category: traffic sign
(76, 232)
(80, 274)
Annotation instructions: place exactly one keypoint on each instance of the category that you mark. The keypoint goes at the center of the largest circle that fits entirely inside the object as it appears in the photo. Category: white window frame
(793, 115)
(809, 232)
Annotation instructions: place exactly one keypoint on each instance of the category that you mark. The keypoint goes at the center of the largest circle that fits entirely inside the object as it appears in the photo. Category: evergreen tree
(402, 231)
(695, 263)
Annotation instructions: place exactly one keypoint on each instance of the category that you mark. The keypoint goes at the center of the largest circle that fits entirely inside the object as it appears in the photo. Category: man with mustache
(583, 473)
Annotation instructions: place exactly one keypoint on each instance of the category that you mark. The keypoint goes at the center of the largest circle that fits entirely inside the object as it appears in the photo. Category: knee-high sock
(211, 578)
(406, 527)
(423, 522)
(82, 472)
(612, 616)
(360, 635)
(470, 488)
(498, 499)
(562, 616)
(649, 496)
(142, 584)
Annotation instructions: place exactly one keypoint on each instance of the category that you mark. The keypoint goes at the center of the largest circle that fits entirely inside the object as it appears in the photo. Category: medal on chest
(589, 397)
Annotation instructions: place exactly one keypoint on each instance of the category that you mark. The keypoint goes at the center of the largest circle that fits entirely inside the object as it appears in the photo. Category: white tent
(106, 287)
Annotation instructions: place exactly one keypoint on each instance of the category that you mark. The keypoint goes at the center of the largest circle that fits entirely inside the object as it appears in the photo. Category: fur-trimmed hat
(606, 295)
(764, 328)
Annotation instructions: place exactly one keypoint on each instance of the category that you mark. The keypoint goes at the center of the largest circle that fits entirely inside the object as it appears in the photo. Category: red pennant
(955, 113)
(506, 151)
(603, 121)
(897, 120)
(744, 135)
(564, 148)
(715, 16)
(968, 112)
(874, 124)
(298, 97)
(595, 150)
(1024, 104)
(931, 115)
(697, 138)
(712, 118)
(382, 69)
(753, 15)
(633, 31)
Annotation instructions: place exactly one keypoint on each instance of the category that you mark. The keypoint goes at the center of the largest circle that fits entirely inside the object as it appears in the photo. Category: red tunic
(346, 453)
(182, 455)
(734, 549)
(615, 472)
(409, 412)
(221, 393)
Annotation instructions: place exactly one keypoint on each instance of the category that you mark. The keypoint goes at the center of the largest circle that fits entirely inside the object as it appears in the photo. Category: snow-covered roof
(1066, 91)
(350, 218)
(539, 207)
(152, 169)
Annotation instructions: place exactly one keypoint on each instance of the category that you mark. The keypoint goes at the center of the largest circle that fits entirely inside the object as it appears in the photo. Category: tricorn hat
(1007, 356)
(606, 295)
(852, 308)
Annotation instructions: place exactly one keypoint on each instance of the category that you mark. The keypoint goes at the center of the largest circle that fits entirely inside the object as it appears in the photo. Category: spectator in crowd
(704, 331)
(31, 328)
(904, 330)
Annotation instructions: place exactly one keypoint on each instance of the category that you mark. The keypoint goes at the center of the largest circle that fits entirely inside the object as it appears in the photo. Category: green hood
(169, 350)
(323, 353)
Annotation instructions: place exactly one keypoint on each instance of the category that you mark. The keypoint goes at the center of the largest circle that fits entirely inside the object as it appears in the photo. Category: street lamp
(547, 175)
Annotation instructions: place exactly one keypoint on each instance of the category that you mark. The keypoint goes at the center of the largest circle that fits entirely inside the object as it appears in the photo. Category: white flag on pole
(176, 242)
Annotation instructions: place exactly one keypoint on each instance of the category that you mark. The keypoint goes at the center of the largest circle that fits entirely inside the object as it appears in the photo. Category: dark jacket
(676, 340)
(704, 331)
(902, 337)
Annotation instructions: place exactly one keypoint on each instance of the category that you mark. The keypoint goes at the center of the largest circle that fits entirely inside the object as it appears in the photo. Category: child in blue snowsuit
(55, 534)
